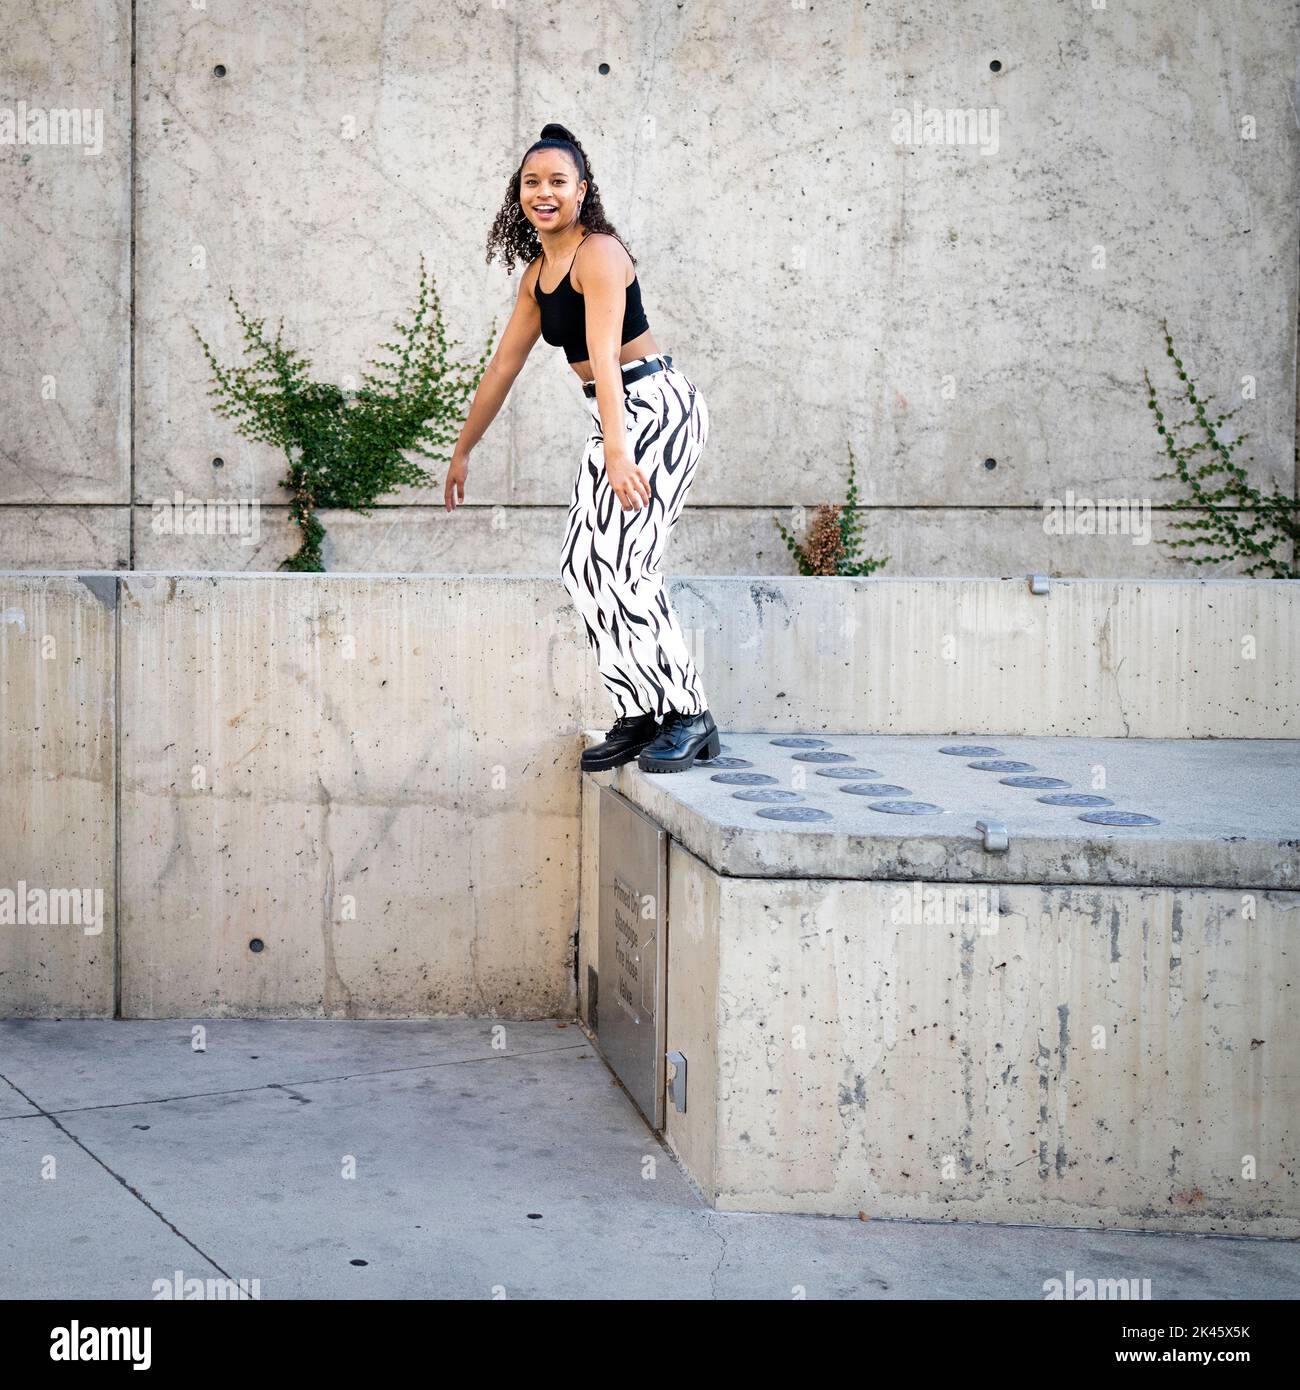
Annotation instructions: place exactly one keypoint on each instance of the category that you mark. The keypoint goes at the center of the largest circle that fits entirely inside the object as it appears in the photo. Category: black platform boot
(626, 739)
(684, 740)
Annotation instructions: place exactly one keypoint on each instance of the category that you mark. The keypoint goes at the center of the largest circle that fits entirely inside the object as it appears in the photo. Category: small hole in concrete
(603, 69)
(995, 66)
(218, 462)
(256, 944)
(219, 70)
(990, 464)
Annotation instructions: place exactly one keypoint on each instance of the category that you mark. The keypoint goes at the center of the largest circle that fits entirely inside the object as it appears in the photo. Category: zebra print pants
(611, 558)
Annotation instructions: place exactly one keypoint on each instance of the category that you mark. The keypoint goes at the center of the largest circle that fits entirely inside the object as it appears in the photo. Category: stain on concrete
(858, 1096)
(104, 588)
(769, 594)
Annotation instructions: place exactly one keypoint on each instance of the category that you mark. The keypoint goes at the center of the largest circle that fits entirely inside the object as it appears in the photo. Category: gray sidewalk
(523, 1169)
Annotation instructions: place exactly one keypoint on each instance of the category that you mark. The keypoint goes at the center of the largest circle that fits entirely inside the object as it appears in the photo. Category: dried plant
(833, 543)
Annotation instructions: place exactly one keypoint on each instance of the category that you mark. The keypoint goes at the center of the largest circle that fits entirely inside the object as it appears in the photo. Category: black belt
(655, 364)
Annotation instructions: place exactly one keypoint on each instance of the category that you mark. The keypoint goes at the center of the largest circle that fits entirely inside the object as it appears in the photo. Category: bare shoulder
(602, 252)
(531, 272)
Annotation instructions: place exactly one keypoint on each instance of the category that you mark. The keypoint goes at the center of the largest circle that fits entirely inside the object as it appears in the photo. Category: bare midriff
(641, 346)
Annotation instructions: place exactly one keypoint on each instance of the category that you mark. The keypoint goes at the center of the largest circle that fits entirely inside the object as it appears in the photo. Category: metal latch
(677, 1081)
(996, 839)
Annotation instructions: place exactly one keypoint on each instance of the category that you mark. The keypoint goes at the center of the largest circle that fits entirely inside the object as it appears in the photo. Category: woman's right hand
(457, 472)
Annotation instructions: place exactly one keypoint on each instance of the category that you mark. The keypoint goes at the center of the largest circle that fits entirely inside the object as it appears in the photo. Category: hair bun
(554, 131)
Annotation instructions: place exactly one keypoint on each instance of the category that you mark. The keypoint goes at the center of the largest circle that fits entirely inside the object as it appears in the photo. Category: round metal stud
(971, 750)
(798, 742)
(905, 808)
(795, 813)
(823, 755)
(726, 762)
(1075, 799)
(767, 794)
(1033, 782)
(847, 772)
(744, 779)
(1001, 765)
(874, 789)
(1118, 818)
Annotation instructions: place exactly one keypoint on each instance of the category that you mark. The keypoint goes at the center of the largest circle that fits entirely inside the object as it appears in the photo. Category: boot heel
(711, 749)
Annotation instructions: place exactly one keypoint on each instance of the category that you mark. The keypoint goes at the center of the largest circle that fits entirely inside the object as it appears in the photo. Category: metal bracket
(1038, 583)
(677, 1081)
(996, 839)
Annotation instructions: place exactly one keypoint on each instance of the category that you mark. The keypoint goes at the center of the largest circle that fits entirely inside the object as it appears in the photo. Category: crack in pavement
(722, 1255)
(135, 1192)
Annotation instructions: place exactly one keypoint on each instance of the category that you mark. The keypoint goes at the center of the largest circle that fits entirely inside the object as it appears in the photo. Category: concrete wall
(58, 785)
(932, 306)
(376, 777)
(1108, 1057)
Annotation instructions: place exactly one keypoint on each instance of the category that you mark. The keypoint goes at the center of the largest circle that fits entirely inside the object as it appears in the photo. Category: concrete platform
(1227, 810)
(1048, 1020)
(488, 1155)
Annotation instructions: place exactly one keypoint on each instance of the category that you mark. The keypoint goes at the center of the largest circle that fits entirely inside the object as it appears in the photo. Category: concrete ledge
(1228, 810)
(916, 1026)
(405, 748)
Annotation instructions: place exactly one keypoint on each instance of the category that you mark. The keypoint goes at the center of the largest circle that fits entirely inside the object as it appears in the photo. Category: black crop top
(564, 313)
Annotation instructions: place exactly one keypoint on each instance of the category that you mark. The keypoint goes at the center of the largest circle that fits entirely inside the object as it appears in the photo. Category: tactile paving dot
(744, 779)
(823, 755)
(971, 750)
(875, 789)
(766, 794)
(1076, 799)
(905, 808)
(794, 813)
(1033, 781)
(798, 742)
(847, 772)
(1001, 765)
(1119, 818)
(727, 762)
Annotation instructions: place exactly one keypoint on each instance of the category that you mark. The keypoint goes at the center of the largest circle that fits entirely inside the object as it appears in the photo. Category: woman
(649, 426)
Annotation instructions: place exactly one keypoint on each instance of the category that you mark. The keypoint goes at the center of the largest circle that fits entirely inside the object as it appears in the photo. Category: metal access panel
(630, 1027)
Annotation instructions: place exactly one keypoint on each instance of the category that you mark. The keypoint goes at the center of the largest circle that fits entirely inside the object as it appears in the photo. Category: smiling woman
(649, 427)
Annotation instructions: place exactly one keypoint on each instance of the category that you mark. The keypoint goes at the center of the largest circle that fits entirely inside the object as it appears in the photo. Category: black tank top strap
(537, 284)
(574, 257)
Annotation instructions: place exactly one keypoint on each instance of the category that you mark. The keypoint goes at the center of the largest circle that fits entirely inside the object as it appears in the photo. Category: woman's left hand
(630, 485)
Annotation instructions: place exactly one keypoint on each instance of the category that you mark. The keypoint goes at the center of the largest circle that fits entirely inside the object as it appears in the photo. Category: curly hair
(513, 237)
